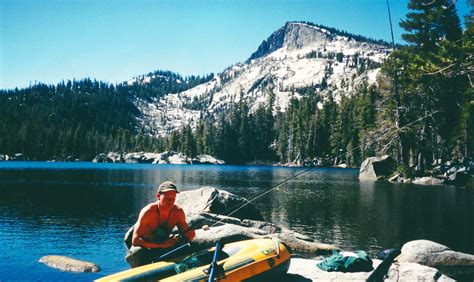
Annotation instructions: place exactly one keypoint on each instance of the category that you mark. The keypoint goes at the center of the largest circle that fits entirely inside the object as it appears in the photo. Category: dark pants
(138, 256)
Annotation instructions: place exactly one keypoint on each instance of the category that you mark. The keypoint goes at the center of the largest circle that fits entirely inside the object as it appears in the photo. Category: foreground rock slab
(302, 270)
(449, 262)
(409, 271)
(69, 264)
(306, 270)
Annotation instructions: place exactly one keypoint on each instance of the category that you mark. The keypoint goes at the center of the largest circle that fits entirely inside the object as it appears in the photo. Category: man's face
(166, 199)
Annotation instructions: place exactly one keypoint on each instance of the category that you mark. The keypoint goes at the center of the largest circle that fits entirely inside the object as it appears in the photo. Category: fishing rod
(275, 187)
(391, 27)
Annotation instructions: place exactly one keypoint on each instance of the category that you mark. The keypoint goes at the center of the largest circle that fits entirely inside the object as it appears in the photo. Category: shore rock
(115, 157)
(178, 159)
(212, 200)
(4, 157)
(139, 158)
(460, 177)
(375, 168)
(428, 180)
(456, 172)
(69, 264)
(207, 159)
(395, 178)
(20, 157)
(102, 158)
(447, 261)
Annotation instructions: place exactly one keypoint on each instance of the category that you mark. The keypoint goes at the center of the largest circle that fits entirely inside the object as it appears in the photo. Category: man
(151, 234)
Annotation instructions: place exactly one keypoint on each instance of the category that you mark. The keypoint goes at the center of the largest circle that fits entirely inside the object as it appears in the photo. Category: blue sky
(114, 40)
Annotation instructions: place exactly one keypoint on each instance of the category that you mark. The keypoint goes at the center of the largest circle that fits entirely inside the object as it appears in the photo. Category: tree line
(302, 133)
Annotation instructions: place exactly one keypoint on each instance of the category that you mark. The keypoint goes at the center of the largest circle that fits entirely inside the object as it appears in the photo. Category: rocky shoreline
(453, 172)
(167, 157)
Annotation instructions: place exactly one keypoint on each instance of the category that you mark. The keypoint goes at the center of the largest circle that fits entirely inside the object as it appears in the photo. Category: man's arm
(183, 226)
(141, 228)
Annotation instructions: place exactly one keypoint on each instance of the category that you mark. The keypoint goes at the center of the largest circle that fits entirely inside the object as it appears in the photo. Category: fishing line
(393, 131)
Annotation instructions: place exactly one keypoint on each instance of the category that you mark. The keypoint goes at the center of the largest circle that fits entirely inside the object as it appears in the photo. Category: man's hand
(170, 242)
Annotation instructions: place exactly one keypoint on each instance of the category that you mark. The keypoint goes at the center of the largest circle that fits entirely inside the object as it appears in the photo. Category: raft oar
(213, 266)
(379, 273)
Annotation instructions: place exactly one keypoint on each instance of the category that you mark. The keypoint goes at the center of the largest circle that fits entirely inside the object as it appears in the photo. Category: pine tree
(430, 22)
(422, 93)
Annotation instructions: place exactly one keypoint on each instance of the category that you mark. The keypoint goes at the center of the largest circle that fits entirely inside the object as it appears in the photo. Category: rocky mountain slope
(295, 56)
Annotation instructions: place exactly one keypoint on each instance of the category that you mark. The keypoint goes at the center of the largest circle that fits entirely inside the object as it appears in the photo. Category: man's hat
(167, 186)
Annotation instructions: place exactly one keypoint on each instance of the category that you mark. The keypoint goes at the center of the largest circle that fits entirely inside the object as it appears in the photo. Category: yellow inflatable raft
(257, 258)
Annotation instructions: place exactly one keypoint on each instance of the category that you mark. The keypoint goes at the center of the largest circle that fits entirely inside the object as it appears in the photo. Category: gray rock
(226, 233)
(452, 170)
(4, 157)
(178, 159)
(163, 157)
(69, 264)
(207, 159)
(134, 158)
(406, 180)
(115, 157)
(439, 169)
(375, 168)
(407, 271)
(428, 180)
(228, 229)
(447, 261)
(20, 157)
(216, 201)
(101, 158)
(460, 177)
(148, 157)
(395, 178)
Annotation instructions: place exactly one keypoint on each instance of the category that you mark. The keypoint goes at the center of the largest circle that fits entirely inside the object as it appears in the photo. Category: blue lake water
(82, 210)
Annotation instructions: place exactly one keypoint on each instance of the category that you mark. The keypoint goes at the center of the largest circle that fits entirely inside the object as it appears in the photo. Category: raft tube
(250, 259)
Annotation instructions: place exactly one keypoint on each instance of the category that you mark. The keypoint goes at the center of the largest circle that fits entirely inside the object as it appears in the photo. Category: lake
(82, 210)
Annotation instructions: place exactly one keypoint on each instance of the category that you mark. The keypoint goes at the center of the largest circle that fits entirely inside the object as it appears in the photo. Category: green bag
(338, 262)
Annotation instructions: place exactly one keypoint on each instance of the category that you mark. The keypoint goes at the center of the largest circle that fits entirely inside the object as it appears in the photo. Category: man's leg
(138, 256)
